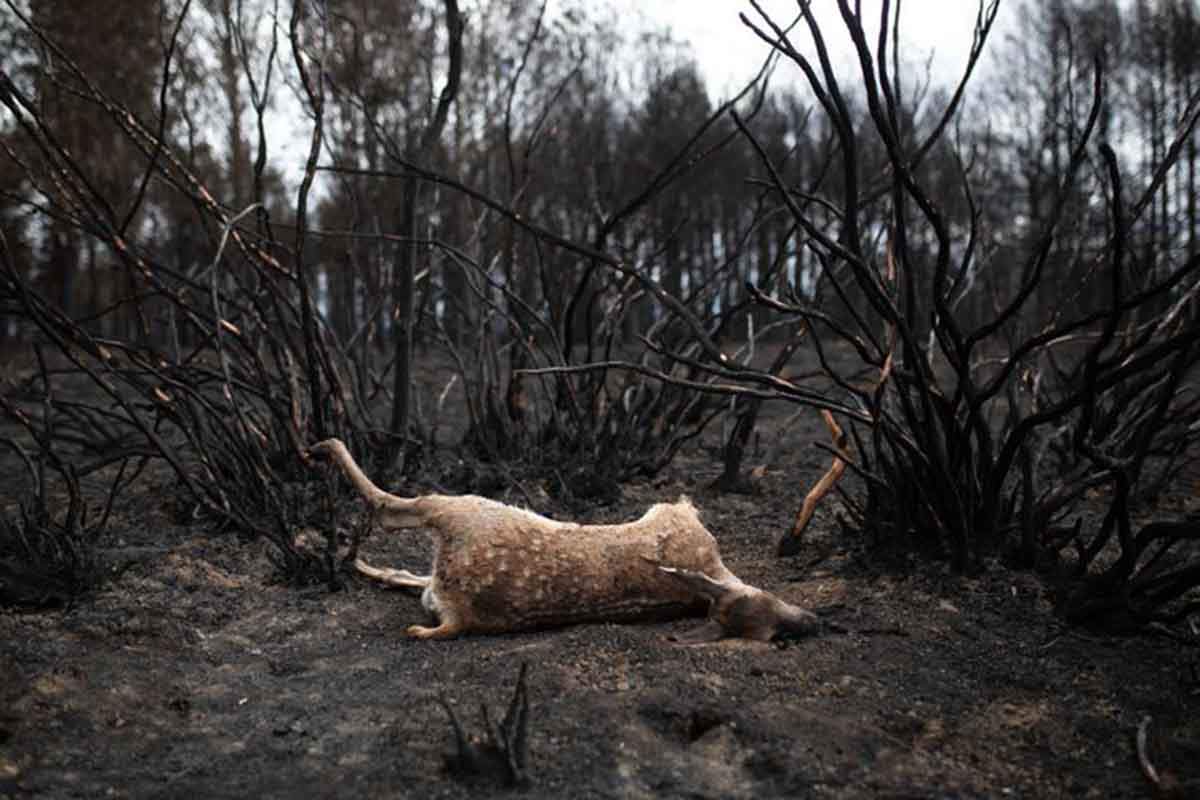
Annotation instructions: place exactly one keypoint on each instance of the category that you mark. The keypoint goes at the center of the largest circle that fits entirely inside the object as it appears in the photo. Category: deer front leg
(706, 633)
(393, 577)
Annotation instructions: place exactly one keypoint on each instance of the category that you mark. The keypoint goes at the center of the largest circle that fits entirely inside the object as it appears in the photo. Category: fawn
(497, 568)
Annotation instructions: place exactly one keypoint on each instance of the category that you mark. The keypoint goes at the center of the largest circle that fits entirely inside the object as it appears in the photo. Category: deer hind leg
(451, 623)
(448, 629)
(393, 577)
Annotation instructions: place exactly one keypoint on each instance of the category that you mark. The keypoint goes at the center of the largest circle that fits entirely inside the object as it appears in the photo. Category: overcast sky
(730, 53)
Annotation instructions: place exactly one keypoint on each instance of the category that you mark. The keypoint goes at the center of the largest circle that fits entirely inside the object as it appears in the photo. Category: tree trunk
(403, 310)
(406, 257)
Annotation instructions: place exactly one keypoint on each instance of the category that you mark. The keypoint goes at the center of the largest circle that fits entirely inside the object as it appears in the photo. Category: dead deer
(498, 569)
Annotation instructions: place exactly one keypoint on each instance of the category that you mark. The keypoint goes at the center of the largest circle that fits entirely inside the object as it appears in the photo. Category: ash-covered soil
(193, 674)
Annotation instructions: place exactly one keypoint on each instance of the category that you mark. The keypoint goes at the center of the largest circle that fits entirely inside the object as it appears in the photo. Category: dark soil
(193, 674)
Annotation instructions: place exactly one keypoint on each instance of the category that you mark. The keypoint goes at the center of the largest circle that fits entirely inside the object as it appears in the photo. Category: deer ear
(698, 582)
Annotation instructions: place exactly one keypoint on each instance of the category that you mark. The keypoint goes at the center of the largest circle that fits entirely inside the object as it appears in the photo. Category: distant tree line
(561, 119)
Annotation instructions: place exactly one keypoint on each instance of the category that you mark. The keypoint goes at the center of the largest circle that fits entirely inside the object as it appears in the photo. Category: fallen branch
(1166, 786)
